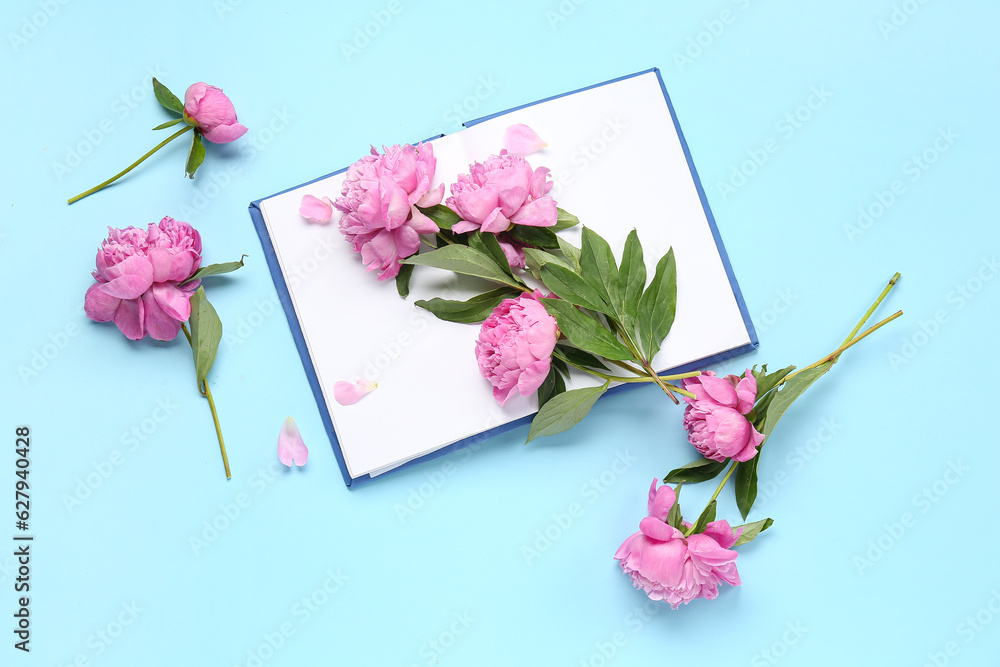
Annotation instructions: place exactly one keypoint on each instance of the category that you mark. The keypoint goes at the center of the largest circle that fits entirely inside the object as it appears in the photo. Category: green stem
(834, 356)
(715, 495)
(634, 349)
(207, 393)
(618, 378)
(892, 282)
(131, 166)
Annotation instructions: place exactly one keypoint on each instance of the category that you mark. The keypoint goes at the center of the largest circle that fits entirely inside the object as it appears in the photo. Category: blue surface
(429, 565)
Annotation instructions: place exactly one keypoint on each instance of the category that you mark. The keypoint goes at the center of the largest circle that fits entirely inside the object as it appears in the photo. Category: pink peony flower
(139, 275)
(209, 109)
(715, 419)
(515, 346)
(674, 568)
(501, 192)
(379, 200)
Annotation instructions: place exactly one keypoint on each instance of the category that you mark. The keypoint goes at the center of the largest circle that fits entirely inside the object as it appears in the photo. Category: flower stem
(835, 355)
(634, 349)
(892, 283)
(619, 378)
(715, 495)
(131, 166)
(207, 393)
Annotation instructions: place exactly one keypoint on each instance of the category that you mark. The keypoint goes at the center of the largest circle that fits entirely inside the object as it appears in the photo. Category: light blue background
(430, 564)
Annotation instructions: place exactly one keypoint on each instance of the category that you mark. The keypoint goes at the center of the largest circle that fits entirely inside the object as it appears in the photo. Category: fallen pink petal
(316, 210)
(519, 139)
(291, 449)
(348, 393)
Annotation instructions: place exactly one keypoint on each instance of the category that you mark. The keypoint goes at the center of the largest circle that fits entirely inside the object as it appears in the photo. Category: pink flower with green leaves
(143, 279)
(671, 566)
(515, 346)
(379, 200)
(716, 418)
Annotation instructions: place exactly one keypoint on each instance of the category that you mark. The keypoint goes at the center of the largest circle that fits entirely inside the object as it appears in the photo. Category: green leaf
(564, 411)
(167, 98)
(585, 332)
(632, 275)
(442, 216)
(169, 123)
(701, 470)
(765, 383)
(535, 259)
(488, 245)
(465, 260)
(196, 156)
(552, 386)
(476, 309)
(215, 269)
(707, 517)
(788, 392)
(658, 305)
(206, 332)
(403, 280)
(751, 530)
(564, 221)
(571, 252)
(580, 357)
(598, 267)
(674, 516)
(538, 237)
(573, 288)
(746, 484)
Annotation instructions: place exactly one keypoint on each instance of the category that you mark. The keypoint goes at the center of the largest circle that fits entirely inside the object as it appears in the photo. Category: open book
(618, 161)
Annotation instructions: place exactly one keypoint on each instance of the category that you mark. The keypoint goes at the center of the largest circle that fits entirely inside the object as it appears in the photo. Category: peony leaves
(564, 411)
(701, 470)
(442, 216)
(196, 156)
(476, 309)
(584, 331)
(166, 98)
(206, 332)
(657, 306)
(751, 530)
(467, 261)
(216, 269)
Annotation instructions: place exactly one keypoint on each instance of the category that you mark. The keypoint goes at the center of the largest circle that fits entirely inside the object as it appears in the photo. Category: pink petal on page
(291, 448)
(347, 393)
(314, 209)
(519, 139)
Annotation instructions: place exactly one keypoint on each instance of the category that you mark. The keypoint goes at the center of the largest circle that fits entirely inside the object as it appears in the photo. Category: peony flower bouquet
(557, 309)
